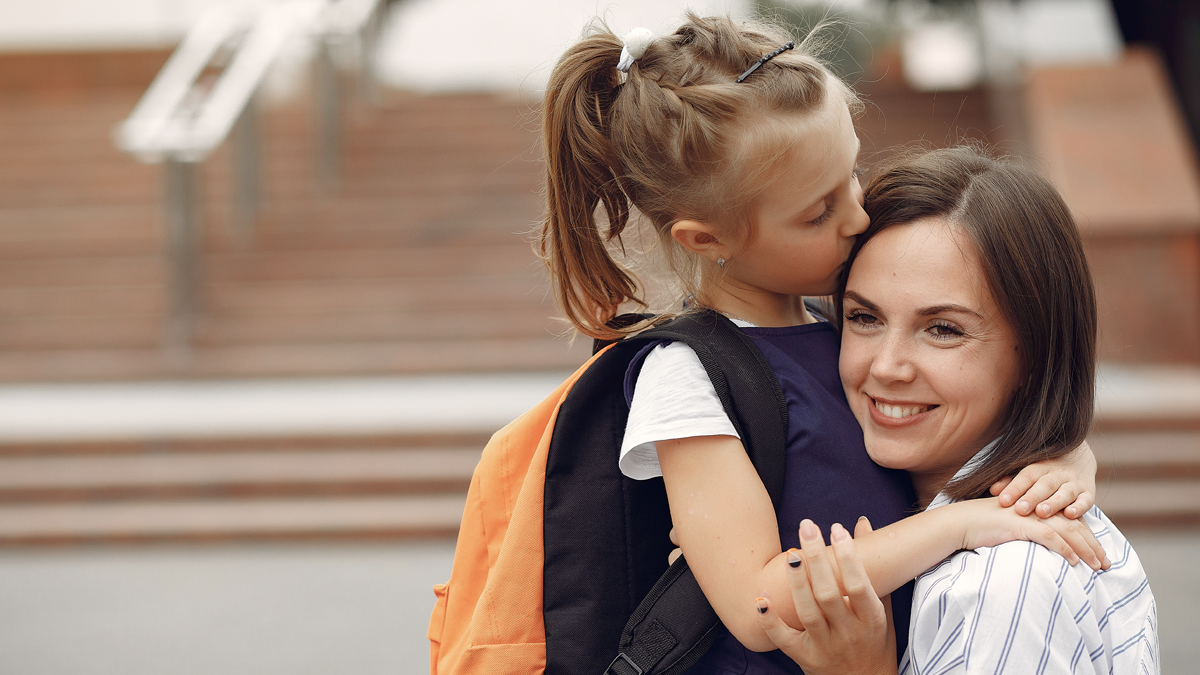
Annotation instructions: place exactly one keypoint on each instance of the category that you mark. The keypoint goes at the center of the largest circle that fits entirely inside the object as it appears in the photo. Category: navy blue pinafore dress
(828, 476)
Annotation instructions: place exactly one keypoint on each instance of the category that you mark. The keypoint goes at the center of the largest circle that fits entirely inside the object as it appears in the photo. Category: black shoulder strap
(674, 625)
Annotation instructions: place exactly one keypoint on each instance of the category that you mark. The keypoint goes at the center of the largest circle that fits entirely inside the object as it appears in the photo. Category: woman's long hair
(1035, 268)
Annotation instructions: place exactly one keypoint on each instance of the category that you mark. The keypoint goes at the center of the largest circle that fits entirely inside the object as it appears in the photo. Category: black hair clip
(768, 57)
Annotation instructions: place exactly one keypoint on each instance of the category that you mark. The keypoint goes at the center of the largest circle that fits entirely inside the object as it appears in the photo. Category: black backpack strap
(675, 624)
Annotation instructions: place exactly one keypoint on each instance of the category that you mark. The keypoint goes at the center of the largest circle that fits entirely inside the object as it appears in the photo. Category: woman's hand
(676, 552)
(847, 629)
(1066, 484)
(989, 524)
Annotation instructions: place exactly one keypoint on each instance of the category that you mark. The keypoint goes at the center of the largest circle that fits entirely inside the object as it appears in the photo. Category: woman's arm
(726, 526)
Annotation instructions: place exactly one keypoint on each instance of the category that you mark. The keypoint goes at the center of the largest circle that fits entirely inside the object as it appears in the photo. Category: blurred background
(266, 288)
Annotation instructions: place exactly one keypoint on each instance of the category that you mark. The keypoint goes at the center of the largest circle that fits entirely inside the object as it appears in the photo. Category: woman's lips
(897, 414)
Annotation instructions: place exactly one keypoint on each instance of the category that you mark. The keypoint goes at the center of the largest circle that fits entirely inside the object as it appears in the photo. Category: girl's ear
(701, 239)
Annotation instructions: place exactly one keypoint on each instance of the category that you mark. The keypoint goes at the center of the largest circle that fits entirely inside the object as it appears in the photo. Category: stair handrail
(180, 119)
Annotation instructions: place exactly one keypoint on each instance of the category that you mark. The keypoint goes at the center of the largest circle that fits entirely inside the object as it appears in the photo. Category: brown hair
(672, 141)
(1034, 265)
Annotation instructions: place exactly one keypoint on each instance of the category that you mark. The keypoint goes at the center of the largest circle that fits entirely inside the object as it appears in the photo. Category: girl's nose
(857, 221)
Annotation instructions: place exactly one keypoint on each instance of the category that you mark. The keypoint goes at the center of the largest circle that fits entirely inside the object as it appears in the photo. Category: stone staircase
(347, 487)
(418, 263)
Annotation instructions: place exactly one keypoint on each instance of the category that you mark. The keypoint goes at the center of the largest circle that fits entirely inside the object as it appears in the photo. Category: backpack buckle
(621, 657)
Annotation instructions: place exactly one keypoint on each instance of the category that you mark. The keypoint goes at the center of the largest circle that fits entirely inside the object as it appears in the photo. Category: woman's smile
(898, 413)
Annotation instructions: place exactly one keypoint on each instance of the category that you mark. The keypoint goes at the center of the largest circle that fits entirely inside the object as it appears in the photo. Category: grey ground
(320, 608)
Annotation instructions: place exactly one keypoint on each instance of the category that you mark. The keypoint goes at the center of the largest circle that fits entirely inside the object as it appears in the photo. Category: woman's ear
(701, 239)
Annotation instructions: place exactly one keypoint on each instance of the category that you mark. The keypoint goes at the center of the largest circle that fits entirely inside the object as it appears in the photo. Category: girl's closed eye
(825, 215)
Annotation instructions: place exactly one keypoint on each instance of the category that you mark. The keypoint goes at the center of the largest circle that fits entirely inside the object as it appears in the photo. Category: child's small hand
(847, 629)
(991, 525)
(1066, 485)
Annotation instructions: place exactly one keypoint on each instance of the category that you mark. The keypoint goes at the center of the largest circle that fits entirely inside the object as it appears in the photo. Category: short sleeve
(673, 398)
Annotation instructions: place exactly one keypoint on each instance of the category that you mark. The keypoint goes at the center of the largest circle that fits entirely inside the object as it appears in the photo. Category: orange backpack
(560, 565)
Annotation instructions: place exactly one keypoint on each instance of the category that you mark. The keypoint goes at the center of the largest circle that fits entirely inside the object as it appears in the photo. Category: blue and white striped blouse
(1019, 608)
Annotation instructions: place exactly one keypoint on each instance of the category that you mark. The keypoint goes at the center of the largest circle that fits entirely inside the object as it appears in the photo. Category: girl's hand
(989, 524)
(1066, 484)
(847, 629)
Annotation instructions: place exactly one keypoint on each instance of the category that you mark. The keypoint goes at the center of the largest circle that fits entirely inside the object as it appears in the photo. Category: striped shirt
(1019, 608)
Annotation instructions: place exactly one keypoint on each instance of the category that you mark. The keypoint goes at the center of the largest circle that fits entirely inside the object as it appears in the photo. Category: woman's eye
(945, 330)
(861, 318)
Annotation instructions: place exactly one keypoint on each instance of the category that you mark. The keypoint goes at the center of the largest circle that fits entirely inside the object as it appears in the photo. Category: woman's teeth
(898, 411)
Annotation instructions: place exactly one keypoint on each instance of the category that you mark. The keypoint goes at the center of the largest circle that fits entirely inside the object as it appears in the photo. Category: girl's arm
(726, 526)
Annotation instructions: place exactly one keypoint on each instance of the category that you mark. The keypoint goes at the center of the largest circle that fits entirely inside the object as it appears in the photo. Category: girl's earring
(721, 263)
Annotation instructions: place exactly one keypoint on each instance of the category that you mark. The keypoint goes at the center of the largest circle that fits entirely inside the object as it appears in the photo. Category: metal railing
(205, 93)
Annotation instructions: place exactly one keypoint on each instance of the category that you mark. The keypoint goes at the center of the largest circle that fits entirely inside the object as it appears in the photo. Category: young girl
(739, 150)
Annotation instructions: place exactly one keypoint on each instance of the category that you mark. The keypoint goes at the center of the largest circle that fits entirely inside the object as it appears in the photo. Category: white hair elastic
(636, 43)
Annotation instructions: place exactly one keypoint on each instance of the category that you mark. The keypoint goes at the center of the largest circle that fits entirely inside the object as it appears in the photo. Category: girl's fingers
(1081, 539)
(1061, 499)
(1082, 505)
(996, 489)
(1032, 486)
(864, 603)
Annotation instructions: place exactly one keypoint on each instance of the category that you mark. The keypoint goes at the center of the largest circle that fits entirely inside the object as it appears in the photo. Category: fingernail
(1005, 500)
(838, 533)
(808, 530)
(761, 603)
(1096, 564)
(862, 518)
(1023, 506)
(793, 557)
(1072, 511)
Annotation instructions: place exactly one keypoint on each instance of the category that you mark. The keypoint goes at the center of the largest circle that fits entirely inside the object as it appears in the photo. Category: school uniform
(828, 476)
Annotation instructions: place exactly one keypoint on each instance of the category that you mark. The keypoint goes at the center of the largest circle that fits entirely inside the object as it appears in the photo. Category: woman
(968, 352)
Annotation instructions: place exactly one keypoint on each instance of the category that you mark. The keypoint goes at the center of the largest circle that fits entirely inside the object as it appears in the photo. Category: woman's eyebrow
(851, 295)
(938, 309)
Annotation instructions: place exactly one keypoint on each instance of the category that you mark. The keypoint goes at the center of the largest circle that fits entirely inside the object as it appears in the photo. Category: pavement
(315, 609)
(348, 606)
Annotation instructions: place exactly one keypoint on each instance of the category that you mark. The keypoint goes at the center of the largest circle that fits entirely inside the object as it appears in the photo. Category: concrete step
(237, 475)
(219, 520)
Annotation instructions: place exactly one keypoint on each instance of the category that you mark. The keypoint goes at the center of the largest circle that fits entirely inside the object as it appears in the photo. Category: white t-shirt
(672, 399)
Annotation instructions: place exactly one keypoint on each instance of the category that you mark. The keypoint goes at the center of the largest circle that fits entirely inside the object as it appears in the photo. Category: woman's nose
(893, 361)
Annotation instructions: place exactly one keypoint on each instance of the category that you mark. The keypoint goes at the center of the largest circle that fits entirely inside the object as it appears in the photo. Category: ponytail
(582, 170)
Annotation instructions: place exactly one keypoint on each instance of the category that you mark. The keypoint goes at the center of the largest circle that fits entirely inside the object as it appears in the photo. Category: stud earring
(721, 263)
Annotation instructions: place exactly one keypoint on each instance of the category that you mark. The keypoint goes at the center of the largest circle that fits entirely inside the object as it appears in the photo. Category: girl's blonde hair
(673, 141)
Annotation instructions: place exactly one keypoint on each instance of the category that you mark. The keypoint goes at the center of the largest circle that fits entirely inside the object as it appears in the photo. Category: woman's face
(928, 362)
